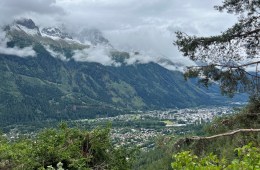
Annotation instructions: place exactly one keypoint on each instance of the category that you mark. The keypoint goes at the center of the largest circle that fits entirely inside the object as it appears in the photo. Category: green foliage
(186, 160)
(254, 105)
(248, 157)
(158, 158)
(67, 148)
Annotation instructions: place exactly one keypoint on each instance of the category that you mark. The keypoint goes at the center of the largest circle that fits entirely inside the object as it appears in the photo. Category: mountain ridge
(46, 87)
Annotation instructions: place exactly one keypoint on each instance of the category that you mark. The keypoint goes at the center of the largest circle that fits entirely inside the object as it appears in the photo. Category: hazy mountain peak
(26, 25)
(93, 36)
(55, 32)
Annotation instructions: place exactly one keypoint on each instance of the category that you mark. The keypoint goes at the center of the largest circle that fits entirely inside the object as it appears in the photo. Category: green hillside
(45, 87)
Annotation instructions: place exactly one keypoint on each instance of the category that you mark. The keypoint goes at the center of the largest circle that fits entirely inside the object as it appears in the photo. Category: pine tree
(227, 56)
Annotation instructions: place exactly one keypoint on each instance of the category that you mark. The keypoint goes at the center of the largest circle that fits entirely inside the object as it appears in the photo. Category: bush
(248, 157)
(68, 148)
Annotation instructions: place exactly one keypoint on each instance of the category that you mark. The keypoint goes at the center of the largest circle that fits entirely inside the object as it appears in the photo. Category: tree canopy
(228, 57)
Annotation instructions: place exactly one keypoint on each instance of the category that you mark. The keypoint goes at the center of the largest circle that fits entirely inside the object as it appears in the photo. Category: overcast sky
(143, 25)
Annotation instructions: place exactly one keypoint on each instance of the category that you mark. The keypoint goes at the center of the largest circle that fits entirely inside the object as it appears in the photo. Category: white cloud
(154, 43)
(55, 54)
(98, 54)
(140, 58)
(21, 52)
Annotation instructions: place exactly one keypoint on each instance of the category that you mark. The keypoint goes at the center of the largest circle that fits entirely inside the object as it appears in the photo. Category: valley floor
(142, 129)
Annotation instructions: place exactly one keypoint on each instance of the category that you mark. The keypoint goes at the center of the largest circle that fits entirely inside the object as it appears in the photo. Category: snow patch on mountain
(54, 32)
(26, 30)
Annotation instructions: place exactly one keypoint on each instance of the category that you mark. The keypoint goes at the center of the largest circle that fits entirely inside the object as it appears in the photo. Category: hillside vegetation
(69, 148)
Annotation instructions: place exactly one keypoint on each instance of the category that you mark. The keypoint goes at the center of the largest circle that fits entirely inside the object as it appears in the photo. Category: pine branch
(246, 33)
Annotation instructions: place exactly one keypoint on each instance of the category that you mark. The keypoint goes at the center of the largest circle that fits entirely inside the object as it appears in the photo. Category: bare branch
(225, 134)
(228, 66)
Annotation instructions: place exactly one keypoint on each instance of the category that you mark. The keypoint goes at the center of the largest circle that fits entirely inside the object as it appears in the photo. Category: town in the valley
(142, 129)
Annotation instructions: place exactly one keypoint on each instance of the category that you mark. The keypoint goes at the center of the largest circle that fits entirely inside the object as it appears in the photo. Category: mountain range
(49, 74)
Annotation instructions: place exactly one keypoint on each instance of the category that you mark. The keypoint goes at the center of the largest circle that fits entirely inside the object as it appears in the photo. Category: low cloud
(21, 52)
(103, 55)
(98, 54)
(153, 44)
(55, 54)
(139, 59)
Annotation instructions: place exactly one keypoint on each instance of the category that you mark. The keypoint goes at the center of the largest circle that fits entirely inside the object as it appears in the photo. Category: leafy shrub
(67, 148)
(248, 158)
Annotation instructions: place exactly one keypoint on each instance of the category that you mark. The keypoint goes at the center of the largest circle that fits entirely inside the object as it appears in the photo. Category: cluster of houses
(146, 137)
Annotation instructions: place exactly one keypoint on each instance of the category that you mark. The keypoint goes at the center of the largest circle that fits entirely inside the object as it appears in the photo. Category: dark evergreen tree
(226, 56)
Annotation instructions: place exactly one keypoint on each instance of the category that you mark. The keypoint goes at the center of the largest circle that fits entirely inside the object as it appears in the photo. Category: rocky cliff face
(28, 23)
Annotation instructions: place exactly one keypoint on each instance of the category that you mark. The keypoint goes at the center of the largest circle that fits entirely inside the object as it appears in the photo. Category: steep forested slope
(53, 84)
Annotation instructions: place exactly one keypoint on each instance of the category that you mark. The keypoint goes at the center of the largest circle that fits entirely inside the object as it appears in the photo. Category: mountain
(25, 25)
(55, 32)
(55, 85)
(93, 36)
